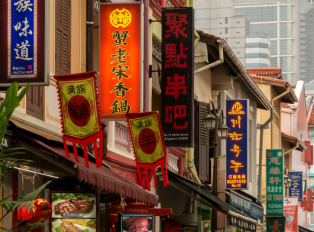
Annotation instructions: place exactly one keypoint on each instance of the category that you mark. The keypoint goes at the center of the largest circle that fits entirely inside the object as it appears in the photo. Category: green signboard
(274, 182)
(276, 224)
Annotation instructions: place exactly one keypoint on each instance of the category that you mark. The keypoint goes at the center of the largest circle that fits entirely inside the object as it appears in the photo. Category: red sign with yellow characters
(148, 145)
(80, 117)
(120, 59)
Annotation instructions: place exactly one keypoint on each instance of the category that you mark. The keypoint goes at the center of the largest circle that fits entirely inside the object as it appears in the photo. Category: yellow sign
(147, 140)
(236, 109)
(120, 18)
(79, 108)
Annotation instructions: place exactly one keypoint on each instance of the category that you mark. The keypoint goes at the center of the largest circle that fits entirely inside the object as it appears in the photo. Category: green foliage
(7, 160)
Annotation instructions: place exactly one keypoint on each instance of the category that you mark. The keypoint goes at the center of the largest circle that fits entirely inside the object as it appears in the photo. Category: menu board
(74, 211)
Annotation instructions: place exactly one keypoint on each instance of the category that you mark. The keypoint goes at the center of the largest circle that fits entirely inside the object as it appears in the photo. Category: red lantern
(172, 225)
(117, 207)
(40, 212)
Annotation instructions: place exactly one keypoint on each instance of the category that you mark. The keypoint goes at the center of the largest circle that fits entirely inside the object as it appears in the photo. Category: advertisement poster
(133, 222)
(291, 213)
(296, 185)
(237, 144)
(274, 183)
(75, 211)
(177, 83)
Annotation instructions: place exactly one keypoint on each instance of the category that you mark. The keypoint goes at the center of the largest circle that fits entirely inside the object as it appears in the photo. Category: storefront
(89, 199)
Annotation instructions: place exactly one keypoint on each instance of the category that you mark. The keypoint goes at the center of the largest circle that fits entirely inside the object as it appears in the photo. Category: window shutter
(203, 151)
(312, 219)
(63, 37)
(34, 102)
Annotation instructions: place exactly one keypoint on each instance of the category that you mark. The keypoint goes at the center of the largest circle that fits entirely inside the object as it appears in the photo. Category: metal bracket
(89, 23)
(151, 71)
(154, 21)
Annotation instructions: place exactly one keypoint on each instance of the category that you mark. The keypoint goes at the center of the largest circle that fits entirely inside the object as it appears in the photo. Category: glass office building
(257, 52)
(275, 21)
(307, 41)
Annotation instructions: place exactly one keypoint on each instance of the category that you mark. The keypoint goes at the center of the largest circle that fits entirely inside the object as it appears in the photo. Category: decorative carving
(157, 51)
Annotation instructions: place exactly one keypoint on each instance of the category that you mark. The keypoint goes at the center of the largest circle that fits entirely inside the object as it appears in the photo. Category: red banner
(148, 145)
(291, 213)
(79, 113)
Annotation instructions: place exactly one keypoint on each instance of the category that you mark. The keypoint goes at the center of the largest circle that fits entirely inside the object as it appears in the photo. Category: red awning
(160, 212)
(103, 177)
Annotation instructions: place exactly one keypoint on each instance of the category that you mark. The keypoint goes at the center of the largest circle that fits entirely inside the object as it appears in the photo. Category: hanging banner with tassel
(79, 113)
(148, 145)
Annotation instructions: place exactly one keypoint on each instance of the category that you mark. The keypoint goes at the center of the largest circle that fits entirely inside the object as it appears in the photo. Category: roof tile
(268, 72)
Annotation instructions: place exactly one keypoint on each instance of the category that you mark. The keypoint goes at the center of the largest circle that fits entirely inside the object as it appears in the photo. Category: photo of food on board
(79, 205)
(73, 225)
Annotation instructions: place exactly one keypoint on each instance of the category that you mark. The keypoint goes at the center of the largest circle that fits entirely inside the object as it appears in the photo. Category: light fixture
(210, 121)
(289, 183)
(223, 131)
(39, 173)
(312, 198)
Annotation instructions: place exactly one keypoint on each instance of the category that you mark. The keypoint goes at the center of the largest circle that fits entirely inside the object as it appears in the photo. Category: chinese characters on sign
(274, 182)
(148, 144)
(296, 185)
(177, 76)
(275, 224)
(23, 49)
(120, 59)
(237, 144)
(80, 117)
(242, 224)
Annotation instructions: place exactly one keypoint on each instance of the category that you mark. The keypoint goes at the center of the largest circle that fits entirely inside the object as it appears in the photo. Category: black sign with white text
(242, 224)
(177, 89)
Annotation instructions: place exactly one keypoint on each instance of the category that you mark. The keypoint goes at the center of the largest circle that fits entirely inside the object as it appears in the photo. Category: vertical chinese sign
(274, 183)
(177, 91)
(237, 144)
(24, 42)
(121, 61)
(296, 185)
(291, 213)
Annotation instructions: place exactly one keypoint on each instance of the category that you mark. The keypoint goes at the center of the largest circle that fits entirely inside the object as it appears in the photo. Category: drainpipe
(279, 117)
(218, 62)
(261, 152)
(191, 165)
(298, 144)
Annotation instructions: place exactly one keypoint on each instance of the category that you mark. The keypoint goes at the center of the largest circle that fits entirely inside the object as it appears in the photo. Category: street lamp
(312, 198)
(211, 122)
(223, 130)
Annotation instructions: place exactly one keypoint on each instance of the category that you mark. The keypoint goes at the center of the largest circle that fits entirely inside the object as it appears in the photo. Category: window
(220, 22)
(226, 20)
(238, 32)
(238, 21)
(256, 45)
(238, 42)
(63, 37)
(34, 102)
(238, 52)
(226, 30)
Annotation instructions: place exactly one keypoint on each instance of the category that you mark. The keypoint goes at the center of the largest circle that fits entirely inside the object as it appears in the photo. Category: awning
(180, 182)
(303, 229)
(103, 177)
(293, 141)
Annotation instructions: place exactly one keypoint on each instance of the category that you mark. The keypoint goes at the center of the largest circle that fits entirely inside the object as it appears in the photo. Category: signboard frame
(300, 187)
(46, 46)
(122, 117)
(247, 144)
(282, 179)
(177, 101)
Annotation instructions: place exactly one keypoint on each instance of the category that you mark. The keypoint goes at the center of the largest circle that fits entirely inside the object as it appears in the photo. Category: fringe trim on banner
(90, 139)
(161, 162)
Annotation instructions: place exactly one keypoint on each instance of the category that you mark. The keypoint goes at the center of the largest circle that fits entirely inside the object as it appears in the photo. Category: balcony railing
(173, 162)
(122, 139)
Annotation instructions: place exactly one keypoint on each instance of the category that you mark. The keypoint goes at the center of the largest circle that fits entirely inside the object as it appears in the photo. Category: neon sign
(237, 144)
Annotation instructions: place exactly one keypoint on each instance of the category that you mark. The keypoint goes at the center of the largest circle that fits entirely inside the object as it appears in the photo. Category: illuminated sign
(24, 44)
(177, 87)
(237, 144)
(274, 182)
(120, 59)
(296, 185)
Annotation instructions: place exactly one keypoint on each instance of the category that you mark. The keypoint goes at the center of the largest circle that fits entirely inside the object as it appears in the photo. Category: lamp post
(215, 121)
